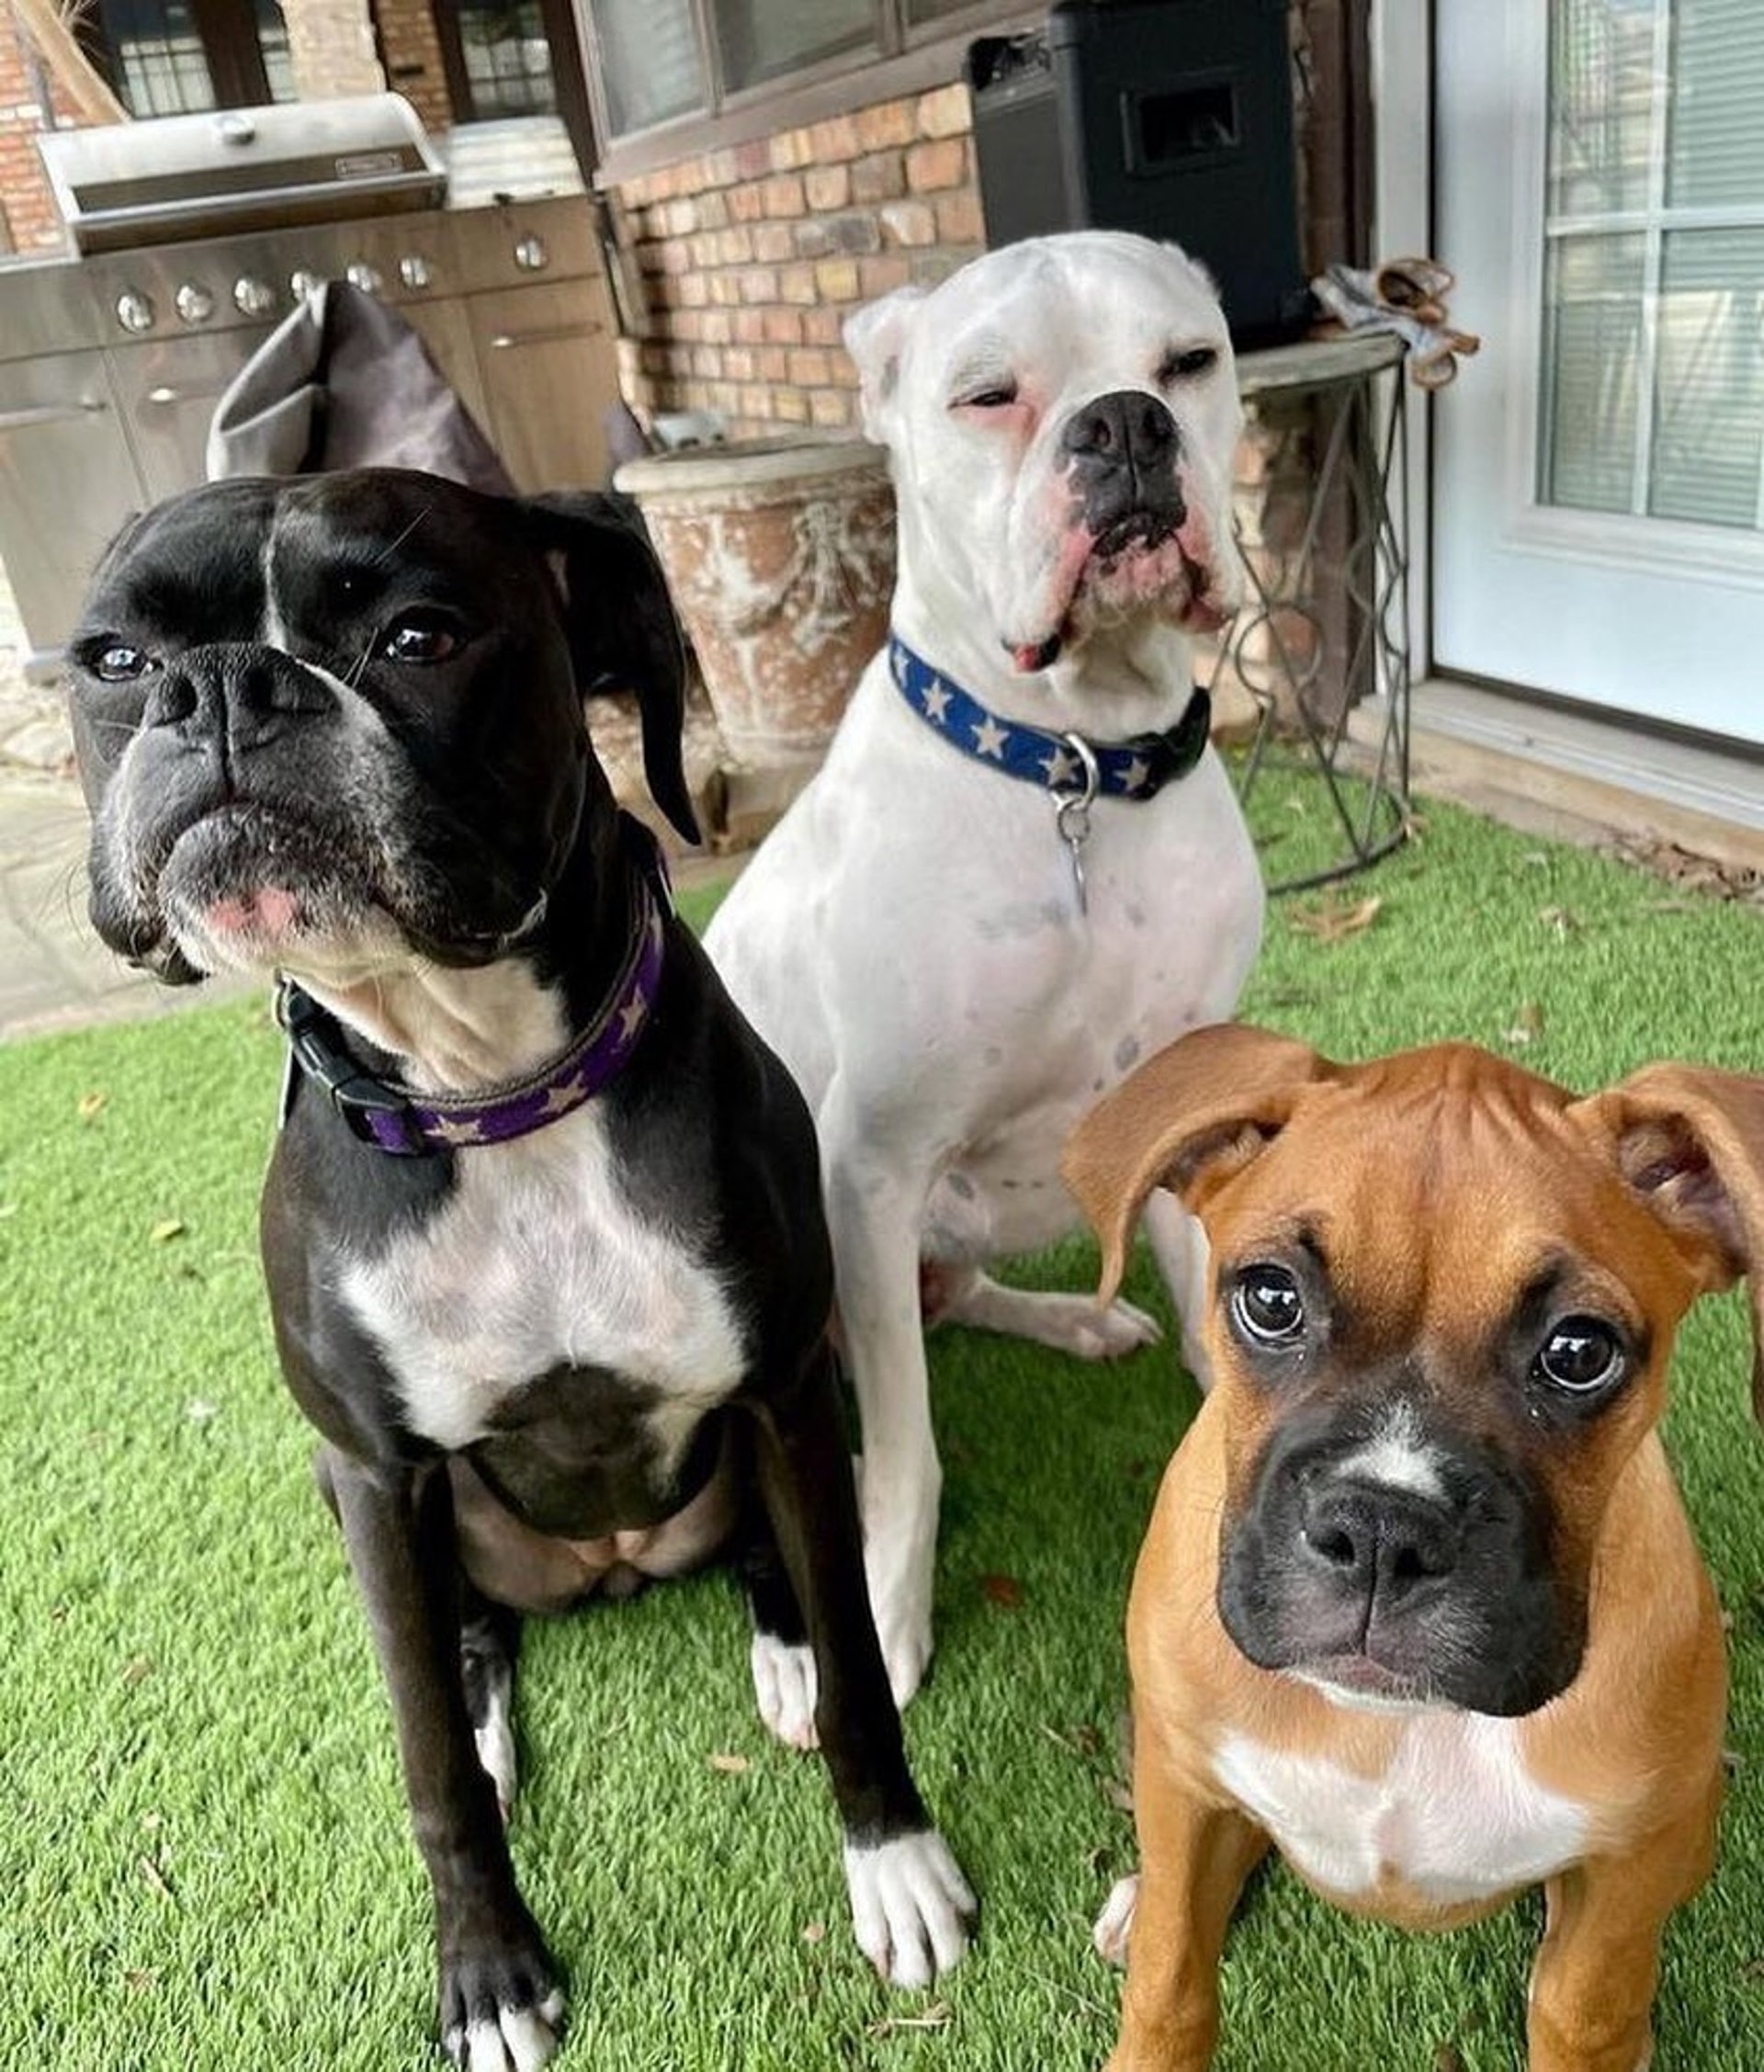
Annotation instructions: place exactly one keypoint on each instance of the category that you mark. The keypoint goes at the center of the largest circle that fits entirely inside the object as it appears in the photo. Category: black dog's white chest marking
(537, 1261)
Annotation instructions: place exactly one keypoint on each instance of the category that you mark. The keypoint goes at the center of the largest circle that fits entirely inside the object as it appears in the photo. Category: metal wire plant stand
(1322, 642)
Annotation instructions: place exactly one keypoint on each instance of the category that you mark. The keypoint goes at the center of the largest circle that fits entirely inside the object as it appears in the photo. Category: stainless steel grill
(111, 363)
(242, 169)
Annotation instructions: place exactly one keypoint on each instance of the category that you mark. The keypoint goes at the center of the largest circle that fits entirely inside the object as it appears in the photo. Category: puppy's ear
(622, 632)
(1690, 1142)
(1188, 1119)
(876, 337)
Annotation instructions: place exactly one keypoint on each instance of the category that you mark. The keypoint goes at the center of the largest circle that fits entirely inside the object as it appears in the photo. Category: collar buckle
(372, 1111)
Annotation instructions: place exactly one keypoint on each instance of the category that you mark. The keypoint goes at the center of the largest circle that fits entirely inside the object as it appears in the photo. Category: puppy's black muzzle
(1450, 1593)
(1122, 450)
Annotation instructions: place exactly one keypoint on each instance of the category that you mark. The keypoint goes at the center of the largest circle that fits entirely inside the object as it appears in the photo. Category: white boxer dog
(1020, 868)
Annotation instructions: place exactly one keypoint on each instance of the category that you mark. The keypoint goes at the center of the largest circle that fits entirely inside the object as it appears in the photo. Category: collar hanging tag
(1072, 813)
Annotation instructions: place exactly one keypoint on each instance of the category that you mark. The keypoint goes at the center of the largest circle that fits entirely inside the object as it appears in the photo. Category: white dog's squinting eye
(1187, 365)
(996, 395)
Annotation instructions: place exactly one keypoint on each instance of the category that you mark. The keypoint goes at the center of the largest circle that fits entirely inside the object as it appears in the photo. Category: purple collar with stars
(411, 1124)
(1138, 768)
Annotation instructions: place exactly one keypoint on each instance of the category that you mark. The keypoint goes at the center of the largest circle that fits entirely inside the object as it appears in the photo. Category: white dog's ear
(876, 337)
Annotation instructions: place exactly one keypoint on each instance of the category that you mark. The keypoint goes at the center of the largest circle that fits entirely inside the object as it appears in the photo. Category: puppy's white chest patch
(1456, 1816)
(538, 1260)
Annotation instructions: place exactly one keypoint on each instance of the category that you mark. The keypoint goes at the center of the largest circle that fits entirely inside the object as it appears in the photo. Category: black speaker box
(1172, 117)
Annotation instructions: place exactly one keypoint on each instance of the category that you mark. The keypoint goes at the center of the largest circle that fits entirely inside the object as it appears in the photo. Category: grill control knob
(252, 297)
(369, 279)
(530, 255)
(193, 302)
(302, 281)
(135, 311)
(414, 270)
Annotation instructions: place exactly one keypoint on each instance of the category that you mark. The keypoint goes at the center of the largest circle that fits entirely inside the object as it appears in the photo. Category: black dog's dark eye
(1580, 1354)
(421, 637)
(120, 664)
(1268, 1305)
(1184, 367)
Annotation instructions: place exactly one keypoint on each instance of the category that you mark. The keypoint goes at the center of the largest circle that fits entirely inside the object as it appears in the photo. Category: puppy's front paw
(786, 1686)
(911, 1906)
(501, 2008)
(1114, 1923)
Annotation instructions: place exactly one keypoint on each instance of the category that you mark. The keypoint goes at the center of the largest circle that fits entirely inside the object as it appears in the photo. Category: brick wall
(331, 44)
(750, 259)
(31, 220)
(411, 52)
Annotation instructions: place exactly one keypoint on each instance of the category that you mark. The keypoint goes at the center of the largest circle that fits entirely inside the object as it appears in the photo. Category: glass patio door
(1598, 487)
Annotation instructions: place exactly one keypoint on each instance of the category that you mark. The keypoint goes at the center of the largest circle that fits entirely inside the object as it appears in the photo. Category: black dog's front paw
(502, 2008)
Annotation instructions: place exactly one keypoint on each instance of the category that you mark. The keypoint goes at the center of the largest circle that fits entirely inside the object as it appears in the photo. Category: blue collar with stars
(1138, 768)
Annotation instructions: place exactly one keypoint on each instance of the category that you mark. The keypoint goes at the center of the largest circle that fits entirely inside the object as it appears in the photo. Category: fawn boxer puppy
(1418, 1605)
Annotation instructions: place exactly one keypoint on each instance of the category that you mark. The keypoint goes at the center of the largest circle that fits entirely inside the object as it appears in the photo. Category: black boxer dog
(542, 1228)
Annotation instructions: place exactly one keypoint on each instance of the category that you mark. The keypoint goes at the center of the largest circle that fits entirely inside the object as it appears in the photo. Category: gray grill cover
(345, 382)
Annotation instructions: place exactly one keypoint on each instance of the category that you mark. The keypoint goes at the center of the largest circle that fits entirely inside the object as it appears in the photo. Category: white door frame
(1402, 102)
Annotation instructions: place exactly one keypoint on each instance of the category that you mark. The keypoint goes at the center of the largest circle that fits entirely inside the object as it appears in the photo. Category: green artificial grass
(204, 1853)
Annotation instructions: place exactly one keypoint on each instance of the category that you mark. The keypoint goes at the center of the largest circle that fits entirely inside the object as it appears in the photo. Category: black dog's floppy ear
(622, 632)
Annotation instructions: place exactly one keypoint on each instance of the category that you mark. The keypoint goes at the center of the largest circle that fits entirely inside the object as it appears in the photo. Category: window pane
(1592, 330)
(1715, 149)
(160, 67)
(761, 39)
(648, 61)
(1602, 97)
(508, 61)
(272, 38)
(1708, 460)
(934, 10)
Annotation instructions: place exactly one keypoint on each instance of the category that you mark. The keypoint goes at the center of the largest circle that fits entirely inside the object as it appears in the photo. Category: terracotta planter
(780, 556)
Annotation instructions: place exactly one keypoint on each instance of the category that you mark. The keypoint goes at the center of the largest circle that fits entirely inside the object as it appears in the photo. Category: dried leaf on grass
(1564, 919)
(91, 1104)
(1694, 873)
(1528, 1026)
(731, 1765)
(1333, 922)
(938, 2015)
(167, 1228)
(1004, 1590)
(155, 1878)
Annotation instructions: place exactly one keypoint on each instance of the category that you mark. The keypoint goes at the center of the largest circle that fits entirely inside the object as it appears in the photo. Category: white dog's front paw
(910, 1906)
(1114, 1923)
(1112, 1333)
(786, 1686)
(903, 1630)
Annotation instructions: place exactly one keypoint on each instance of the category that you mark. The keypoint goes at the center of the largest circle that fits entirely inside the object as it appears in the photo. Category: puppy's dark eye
(1267, 1306)
(1581, 1354)
(420, 637)
(996, 395)
(1187, 365)
(120, 664)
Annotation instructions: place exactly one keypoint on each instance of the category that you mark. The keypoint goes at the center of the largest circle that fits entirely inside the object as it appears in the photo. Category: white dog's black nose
(1120, 449)
(1126, 428)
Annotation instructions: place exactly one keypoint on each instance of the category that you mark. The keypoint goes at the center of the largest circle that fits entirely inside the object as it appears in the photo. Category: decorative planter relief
(780, 556)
